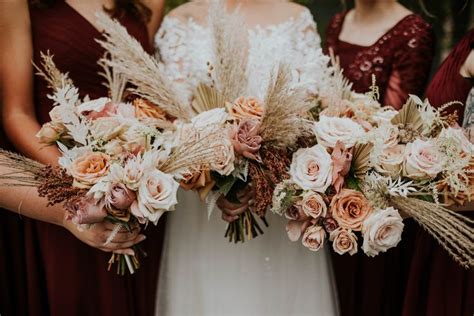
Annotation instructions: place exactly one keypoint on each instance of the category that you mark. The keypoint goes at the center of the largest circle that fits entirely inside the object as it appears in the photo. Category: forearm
(468, 207)
(21, 130)
(26, 202)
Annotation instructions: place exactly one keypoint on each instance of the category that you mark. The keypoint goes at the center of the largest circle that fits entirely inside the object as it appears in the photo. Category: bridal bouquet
(118, 163)
(369, 166)
(261, 133)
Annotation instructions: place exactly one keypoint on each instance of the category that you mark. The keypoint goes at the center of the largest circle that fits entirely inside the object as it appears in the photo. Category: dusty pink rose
(313, 205)
(343, 241)
(330, 224)
(296, 213)
(120, 197)
(86, 211)
(247, 109)
(89, 168)
(246, 140)
(314, 237)
(350, 208)
(294, 229)
(110, 109)
(341, 161)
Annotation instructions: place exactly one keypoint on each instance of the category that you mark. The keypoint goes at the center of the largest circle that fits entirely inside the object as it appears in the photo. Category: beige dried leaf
(361, 159)
(409, 117)
(207, 98)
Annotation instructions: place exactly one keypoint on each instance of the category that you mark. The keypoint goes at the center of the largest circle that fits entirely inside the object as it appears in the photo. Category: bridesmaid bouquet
(117, 163)
(261, 133)
(369, 166)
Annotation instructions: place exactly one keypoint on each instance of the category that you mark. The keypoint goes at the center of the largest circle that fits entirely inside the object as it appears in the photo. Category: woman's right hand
(231, 211)
(97, 235)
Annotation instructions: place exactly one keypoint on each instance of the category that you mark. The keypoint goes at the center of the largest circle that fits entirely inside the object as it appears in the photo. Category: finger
(127, 244)
(229, 218)
(128, 237)
(236, 211)
(224, 204)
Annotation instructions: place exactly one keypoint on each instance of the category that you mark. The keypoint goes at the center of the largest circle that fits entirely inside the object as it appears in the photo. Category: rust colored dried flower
(56, 185)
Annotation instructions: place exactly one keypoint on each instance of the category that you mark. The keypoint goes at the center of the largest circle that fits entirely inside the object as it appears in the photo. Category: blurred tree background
(450, 18)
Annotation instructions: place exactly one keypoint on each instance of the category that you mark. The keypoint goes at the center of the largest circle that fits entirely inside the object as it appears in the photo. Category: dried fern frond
(231, 58)
(128, 57)
(115, 81)
(54, 77)
(283, 122)
(207, 98)
(454, 232)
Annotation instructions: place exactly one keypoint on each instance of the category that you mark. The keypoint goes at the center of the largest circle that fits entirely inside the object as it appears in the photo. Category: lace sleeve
(312, 64)
(412, 63)
(171, 50)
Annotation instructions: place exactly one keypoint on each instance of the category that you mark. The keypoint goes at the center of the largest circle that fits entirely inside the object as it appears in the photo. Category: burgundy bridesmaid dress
(401, 60)
(437, 285)
(65, 276)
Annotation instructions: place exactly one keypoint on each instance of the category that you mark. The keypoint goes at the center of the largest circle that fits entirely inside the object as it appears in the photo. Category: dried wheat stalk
(452, 231)
(128, 57)
(283, 122)
(54, 77)
(230, 56)
(115, 81)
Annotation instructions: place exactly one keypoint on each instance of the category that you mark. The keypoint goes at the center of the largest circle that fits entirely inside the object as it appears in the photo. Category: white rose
(384, 116)
(390, 161)
(95, 105)
(156, 195)
(382, 230)
(114, 147)
(459, 137)
(422, 160)
(107, 128)
(311, 168)
(314, 237)
(211, 117)
(126, 110)
(55, 114)
(331, 129)
(389, 134)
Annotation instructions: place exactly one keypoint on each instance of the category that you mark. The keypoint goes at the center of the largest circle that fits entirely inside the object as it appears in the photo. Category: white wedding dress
(201, 272)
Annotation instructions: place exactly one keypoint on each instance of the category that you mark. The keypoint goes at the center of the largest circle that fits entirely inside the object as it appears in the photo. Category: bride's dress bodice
(201, 272)
(185, 49)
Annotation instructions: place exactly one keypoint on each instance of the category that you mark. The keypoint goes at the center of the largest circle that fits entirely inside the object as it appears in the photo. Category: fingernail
(141, 238)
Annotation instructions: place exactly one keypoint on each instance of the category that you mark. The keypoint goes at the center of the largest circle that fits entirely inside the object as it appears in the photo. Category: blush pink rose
(86, 211)
(313, 205)
(246, 139)
(314, 237)
(343, 241)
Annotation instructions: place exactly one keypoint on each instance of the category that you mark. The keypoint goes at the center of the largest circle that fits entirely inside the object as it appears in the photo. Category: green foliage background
(450, 19)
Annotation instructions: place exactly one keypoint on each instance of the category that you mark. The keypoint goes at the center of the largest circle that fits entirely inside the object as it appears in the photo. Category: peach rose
(246, 109)
(246, 140)
(145, 109)
(200, 180)
(350, 208)
(314, 237)
(313, 205)
(343, 241)
(89, 168)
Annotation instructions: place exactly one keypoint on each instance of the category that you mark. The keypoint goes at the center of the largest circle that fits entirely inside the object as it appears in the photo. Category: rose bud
(86, 211)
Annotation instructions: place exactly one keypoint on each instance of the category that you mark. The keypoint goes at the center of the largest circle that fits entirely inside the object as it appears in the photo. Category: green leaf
(225, 183)
(353, 183)
(427, 198)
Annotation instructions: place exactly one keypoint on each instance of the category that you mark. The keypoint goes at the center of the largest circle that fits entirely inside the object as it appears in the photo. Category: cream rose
(390, 161)
(107, 128)
(350, 208)
(313, 205)
(224, 162)
(89, 168)
(329, 130)
(382, 230)
(246, 109)
(343, 241)
(314, 237)
(50, 133)
(311, 168)
(422, 160)
(156, 195)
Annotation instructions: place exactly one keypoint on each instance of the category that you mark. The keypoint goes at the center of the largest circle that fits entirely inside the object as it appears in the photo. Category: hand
(231, 211)
(97, 235)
